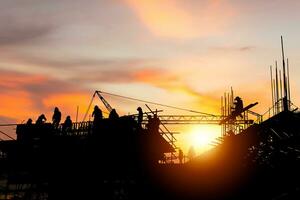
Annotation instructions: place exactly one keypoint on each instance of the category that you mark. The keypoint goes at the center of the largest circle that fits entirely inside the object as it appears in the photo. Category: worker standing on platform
(67, 126)
(29, 122)
(56, 118)
(41, 120)
(238, 106)
(97, 114)
(140, 117)
(113, 114)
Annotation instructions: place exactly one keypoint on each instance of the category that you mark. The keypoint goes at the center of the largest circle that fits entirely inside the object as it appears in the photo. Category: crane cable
(154, 103)
(7, 135)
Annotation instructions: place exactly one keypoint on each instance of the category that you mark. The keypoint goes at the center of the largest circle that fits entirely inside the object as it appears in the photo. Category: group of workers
(56, 118)
(152, 125)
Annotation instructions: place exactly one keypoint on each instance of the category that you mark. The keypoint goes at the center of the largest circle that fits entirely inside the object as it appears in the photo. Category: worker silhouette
(97, 114)
(41, 120)
(180, 156)
(238, 107)
(67, 126)
(140, 116)
(29, 122)
(56, 117)
(113, 114)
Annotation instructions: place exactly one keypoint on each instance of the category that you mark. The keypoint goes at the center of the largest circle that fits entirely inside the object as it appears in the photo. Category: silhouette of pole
(272, 87)
(285, 104)
(77, 114)
(277, 91)
(288, 81)
(229, 110)
(280, 84)
(275, 100)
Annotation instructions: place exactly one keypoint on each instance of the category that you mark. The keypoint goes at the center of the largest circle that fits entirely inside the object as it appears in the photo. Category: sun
(202, 136)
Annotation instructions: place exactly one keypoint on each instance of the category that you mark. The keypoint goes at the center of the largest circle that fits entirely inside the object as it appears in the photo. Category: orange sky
(182, 53)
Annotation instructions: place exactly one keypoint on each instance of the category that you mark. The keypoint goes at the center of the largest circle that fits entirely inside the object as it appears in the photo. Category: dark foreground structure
(117, 159)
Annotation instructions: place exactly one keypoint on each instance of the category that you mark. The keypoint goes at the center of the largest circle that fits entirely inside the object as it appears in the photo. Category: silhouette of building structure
(134, 156)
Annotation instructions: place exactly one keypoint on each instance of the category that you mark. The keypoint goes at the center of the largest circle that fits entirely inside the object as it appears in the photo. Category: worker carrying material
(238, 107)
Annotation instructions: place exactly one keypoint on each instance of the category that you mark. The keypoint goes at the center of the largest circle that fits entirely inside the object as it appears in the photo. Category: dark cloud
(246, 48)
(23, 22)
(15, 34)
(80, 63)
(228, 48)
(85, 70)
(33, 20)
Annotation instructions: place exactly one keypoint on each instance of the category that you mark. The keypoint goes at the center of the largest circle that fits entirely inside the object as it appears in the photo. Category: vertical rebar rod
(277, 90)
(280, 84)
(285, 104)
(288, 81)
(272, 88)
(77, 110)
(222, 115)
(229, 110)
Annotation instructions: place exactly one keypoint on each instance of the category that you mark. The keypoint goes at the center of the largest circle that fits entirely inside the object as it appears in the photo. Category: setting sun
(202, 136)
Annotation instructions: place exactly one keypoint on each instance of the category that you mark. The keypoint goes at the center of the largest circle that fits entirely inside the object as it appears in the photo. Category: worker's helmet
(139, 108)
(237, 98)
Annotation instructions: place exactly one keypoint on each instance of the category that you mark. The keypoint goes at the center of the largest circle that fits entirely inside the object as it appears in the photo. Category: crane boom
(106, 104)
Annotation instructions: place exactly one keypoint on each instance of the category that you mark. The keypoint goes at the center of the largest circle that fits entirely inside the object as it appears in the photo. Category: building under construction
(129, 157)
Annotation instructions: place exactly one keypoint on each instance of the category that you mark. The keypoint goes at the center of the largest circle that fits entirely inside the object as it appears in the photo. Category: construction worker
(113, 114)
(41, 120)
(140, 116)
(29, 122)
(97, 114)
(238, 106)
(56, 117)
(67, 126)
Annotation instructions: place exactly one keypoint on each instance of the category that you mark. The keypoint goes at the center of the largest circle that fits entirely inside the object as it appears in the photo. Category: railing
(277, 108)
(78, 128)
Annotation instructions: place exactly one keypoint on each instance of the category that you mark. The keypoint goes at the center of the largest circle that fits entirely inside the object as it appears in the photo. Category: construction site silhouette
(135, 156)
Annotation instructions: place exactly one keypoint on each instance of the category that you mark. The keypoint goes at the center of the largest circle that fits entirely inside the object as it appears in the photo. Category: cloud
(176, 19)
(235, 48)
(24, 95)
(23, 23)
(76, 62)
(17, 34)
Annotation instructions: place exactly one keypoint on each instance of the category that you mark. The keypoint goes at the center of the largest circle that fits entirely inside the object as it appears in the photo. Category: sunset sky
(182, 53)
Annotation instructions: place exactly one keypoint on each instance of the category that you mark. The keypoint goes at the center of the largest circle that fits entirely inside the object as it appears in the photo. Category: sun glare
(202, 136)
